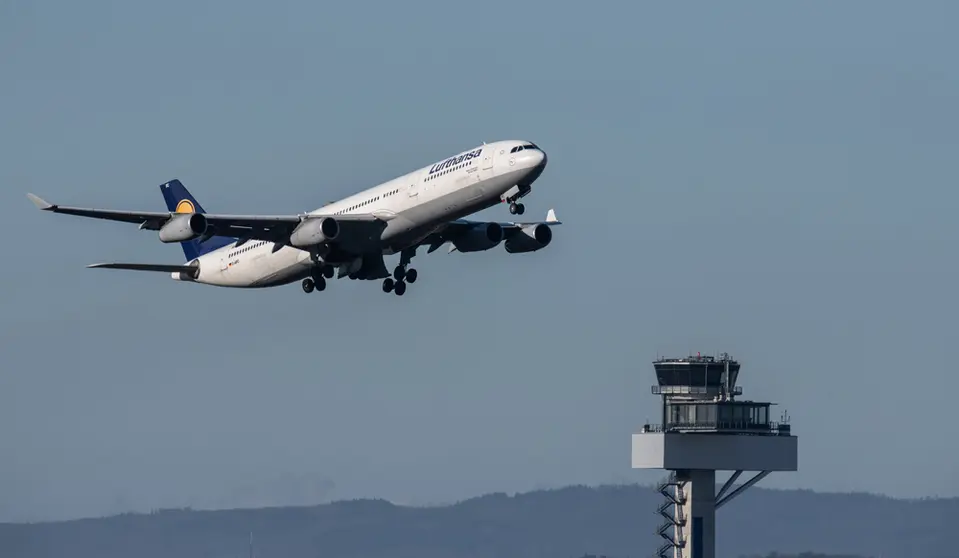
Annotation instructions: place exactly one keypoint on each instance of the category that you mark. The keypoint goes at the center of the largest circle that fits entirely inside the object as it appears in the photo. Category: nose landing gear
(513, 196)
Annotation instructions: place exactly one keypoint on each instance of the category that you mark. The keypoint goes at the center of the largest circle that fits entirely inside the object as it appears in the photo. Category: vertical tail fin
(179, 200)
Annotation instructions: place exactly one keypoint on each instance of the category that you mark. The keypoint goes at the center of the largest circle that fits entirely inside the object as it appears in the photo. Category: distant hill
(805, 555)
(615, 521)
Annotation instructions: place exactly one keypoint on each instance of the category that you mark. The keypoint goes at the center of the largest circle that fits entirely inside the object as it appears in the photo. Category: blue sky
(777, 181)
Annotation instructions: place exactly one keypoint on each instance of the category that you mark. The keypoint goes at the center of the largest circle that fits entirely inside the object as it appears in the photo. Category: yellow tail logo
(185, 206)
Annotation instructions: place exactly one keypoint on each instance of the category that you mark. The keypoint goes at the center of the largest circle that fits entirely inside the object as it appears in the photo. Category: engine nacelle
(530, 239)
(182, 227)
(315, 231)
(479, 238)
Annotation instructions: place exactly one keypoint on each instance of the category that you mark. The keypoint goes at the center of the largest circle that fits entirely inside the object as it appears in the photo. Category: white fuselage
(412, 205)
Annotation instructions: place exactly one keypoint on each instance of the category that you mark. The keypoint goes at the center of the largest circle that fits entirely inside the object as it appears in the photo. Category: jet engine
(530, 239)
(182, 227)
(479, 238)
(314, 231)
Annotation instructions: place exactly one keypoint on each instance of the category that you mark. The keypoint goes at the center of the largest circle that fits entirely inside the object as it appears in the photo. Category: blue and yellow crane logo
(185, 206)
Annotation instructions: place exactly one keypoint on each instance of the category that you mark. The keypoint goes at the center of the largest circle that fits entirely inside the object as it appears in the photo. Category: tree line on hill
(612, 521)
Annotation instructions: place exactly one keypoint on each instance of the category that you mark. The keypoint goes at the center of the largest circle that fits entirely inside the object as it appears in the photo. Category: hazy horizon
(610, 521)
(457, 501)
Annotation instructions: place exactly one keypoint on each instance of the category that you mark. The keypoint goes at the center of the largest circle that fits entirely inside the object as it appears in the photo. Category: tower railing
(694, 390)
(732, 426)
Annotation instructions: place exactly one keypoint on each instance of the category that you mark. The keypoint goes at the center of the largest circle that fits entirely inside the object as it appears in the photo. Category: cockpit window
(524, 146)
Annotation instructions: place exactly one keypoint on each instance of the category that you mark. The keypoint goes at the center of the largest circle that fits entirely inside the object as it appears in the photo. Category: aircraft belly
(265, 270)
(286, 266)
(284, 277)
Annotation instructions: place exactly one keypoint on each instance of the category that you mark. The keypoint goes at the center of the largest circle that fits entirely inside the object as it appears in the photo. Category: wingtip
(551, 216)
(39, 202)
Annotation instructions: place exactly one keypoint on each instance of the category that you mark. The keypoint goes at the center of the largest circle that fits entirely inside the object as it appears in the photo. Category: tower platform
(674, 451)
(704, 430)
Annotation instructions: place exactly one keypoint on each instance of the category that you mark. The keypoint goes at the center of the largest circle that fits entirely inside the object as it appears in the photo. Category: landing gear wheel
(387, 285)
(320, 283)
(328, 271)
(399, 288)
(308, 285)
(399, 273)
(410, 275)
(517, 208)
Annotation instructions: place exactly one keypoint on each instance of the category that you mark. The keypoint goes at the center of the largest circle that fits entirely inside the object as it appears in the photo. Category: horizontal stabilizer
(165, 268)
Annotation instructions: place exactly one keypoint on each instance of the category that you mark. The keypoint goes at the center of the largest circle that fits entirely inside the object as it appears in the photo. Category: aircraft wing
(250, 227)
(508, 226)
(450, 231)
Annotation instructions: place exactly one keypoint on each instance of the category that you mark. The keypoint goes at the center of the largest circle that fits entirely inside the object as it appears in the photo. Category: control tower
(704, 429)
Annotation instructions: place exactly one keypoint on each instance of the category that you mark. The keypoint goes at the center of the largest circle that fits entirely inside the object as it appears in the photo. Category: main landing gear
(401, 275)
(318, 280)
(397, 283)
(309, 284)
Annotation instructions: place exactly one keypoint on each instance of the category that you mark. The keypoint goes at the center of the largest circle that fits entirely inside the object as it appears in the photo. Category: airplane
(349, 237)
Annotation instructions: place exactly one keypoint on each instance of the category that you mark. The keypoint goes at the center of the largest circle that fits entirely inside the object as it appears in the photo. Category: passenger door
(488, 159)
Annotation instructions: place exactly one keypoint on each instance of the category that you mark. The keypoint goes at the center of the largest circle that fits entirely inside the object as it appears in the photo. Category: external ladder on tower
(672, 511)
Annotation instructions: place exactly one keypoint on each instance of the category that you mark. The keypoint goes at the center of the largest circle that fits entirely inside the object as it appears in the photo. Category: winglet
(551, 216)
(39, 202)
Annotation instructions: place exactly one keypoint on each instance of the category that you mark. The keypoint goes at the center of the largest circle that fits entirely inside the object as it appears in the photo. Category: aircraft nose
(532, 158)
(534, 162)
(540, 159)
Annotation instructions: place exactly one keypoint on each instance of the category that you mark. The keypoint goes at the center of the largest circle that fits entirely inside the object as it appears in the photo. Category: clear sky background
(774, 180)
